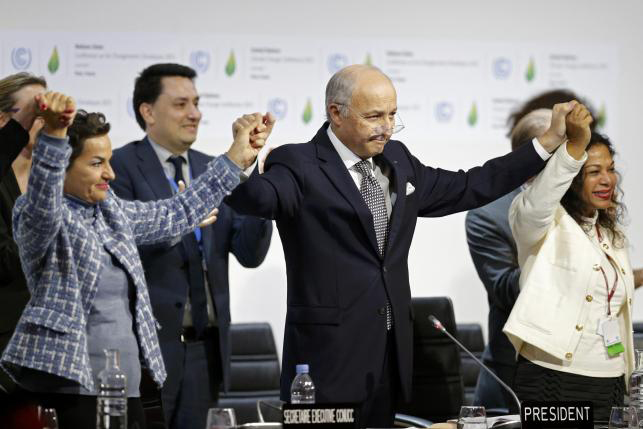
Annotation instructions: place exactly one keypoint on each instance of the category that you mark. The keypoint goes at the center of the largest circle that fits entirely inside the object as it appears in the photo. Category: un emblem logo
(502, 68)
(443, 111)
(278, 107)
(336, 62)
(21, 58)
(200, 61)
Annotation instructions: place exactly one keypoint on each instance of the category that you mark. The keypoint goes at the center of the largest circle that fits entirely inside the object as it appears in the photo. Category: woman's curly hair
(85, 126)
(608, 218)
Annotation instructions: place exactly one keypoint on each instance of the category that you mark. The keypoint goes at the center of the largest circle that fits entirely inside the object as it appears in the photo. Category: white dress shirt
(381, 173)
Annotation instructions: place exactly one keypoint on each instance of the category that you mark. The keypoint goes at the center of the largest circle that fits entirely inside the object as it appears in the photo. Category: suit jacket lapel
(197, 163)
(337, 173)
(397, 183)
(152, 170)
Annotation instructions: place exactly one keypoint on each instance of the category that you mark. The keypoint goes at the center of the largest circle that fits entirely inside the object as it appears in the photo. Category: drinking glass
(623, 418)
(221, 418)
(48, 418)
(472, 418)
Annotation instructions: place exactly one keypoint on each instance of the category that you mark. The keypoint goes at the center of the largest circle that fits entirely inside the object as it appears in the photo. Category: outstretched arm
(162, 220)
(532, 212)
(38, 213)
(444, 192)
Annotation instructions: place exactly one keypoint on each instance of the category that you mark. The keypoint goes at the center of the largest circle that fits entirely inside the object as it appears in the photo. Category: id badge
(611, 333)
(610, 330)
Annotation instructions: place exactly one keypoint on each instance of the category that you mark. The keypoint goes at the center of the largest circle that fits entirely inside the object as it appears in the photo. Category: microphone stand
(438, 325)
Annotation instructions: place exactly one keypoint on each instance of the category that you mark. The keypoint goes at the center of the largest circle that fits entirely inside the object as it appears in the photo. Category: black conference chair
(254, 370)
(437, 384)
(470, 335)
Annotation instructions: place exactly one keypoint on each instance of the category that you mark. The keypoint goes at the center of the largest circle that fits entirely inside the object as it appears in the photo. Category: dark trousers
(73, 411)
(192, 386)
(378, 411)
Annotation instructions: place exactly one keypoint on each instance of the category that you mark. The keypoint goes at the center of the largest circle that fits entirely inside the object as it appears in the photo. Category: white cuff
(541, 150)
(245, 174)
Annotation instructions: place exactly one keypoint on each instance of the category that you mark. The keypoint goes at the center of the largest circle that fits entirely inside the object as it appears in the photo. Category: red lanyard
(610, 294)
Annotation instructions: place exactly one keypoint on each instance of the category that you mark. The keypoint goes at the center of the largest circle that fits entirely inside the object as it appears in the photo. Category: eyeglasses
(375, 120)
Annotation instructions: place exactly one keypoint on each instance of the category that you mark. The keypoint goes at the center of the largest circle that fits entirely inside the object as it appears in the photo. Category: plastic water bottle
(636, 384)
(111, 404)
(302, 390)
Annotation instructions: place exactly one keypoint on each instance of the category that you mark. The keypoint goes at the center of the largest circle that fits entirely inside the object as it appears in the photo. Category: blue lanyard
(175, 187)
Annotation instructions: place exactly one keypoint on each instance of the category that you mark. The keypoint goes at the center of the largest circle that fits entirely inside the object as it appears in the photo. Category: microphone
(438, 325)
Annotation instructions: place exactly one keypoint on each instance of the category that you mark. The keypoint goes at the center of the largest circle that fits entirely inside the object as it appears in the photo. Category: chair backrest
(470, 335)
(437, 384)
(254, 370)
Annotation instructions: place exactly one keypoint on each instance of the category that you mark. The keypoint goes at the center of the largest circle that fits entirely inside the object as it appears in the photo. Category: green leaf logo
(472, 118)
(601, 117)
(308, 112)
(54, 61)
(231, 65)
(368, 61)
(531, 70)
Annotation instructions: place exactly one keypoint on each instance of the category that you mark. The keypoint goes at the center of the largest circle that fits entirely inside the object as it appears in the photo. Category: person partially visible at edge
(18, 111)
(571, 324)
(77, 244)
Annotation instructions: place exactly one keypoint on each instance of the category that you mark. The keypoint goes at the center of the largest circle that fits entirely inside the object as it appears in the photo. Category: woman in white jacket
(571, 324)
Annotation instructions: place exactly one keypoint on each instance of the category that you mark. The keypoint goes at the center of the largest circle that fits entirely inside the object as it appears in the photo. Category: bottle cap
(302, 368)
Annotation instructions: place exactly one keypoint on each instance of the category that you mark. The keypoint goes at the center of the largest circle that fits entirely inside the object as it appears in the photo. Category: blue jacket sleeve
(37, 215)
(161, 220)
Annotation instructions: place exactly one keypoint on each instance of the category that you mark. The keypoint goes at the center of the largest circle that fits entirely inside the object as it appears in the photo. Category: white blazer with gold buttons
(560, 267)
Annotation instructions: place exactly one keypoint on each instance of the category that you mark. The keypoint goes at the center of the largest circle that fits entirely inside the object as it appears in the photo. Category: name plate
(557, 414)
(305, 416)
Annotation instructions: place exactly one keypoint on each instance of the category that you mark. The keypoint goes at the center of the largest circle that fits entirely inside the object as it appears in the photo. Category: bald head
(361, 105)
(533, 124)
(342, 85)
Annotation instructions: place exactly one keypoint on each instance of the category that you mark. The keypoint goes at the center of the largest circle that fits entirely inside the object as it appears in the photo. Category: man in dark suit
(346, 205)
(188, 278)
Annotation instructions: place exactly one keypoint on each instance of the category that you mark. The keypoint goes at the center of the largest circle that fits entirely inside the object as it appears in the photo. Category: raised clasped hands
(555, 134)
(577, 124)
(250, 133)
(58, 111)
